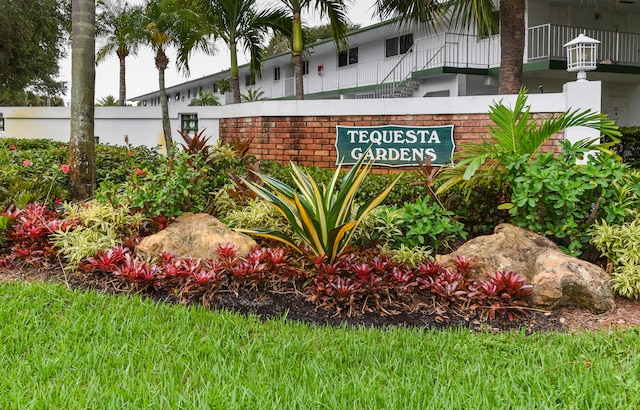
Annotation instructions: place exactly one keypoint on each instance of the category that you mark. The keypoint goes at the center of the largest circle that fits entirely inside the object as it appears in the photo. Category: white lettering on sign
(394, 154)
(379, 137)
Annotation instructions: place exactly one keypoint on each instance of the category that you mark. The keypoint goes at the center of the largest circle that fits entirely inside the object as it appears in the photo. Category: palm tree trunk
(123, 81)
(512, 29)
(82, 174)
(161, 64)
(235, 80)
(297, 48)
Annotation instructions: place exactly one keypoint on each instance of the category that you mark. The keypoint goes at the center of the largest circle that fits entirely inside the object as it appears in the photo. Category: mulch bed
(270, 304)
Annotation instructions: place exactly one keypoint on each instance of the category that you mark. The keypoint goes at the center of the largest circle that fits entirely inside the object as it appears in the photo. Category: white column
(582, 95)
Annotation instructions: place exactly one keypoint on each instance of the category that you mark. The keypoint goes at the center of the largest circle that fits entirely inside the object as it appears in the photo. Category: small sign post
(395, 145)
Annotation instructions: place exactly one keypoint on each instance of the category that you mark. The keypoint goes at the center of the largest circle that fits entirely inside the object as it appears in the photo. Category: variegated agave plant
(320, 215)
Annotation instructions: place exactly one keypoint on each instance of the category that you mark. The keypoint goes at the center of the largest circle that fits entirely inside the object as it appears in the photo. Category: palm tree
(108, 101)
(468, 12)
(118, 24)
(239, 22)
(204, 98)
(335, 10)
(82, 174)
(253, 95)
(171, 23)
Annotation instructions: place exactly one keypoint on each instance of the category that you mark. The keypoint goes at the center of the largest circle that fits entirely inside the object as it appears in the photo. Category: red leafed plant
(106, 261)
(27, 239)
(134, 269)
(510, 285)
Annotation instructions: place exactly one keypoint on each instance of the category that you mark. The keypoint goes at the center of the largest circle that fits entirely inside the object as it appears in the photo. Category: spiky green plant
(321, 215)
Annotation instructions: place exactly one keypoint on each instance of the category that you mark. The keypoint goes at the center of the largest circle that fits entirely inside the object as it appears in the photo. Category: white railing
(547, 42)
(445, 49)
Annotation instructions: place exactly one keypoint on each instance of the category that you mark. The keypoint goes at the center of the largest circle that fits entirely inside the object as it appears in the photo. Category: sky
(142, 75)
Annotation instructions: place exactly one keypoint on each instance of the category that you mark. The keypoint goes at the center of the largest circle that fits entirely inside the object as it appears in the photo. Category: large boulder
(558, 279)
(195, 236)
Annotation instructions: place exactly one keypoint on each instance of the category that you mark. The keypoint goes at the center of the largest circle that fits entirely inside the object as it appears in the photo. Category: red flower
(64, 168)
(12, 147)
(26, 163)
(139, 171)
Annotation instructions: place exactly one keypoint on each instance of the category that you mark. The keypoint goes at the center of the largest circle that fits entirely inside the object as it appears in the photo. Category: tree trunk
(235, 80)
(82, 169)
(512, 30)
(162, 62)
(297, 49)
(123, 81)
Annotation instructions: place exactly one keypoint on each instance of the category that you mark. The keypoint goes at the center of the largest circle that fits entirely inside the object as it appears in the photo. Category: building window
(248, 80)
(215, 87)
(189, 93)
(276, 74)
(348, 57)
(398, 45)
(305, 67)
(177, 96)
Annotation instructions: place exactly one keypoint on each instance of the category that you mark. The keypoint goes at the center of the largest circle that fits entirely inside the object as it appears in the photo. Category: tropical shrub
(516, 132)
(556, 197)
(114, 164)
(98, 226)
(629, 146)
(620, 244)
(476, 207)
(320, 215)
(179, 184)
(426, 223)
(35, 173)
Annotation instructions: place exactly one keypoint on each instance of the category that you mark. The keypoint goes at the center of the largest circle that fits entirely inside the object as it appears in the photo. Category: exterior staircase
(398, 83)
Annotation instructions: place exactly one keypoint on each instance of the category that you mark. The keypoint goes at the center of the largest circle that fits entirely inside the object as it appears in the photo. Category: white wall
(143, 124)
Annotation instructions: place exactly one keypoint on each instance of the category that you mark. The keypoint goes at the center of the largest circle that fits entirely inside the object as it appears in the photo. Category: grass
(63, 349)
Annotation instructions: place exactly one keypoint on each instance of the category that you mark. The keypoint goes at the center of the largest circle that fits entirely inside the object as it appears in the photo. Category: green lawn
(62, 349)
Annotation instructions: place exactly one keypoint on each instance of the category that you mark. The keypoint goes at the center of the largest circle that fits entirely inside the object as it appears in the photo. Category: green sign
(395, 145)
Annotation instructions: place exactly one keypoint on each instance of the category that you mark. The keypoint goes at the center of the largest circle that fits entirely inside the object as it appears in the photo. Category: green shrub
(180, 183)
(115, 164)
(477, 207)
(515, 132)
(555, 197)
(426, 223)
(629, 146)
(32, 170)
(621, 245)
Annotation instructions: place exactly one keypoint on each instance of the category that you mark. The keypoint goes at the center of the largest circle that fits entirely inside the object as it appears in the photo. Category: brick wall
(310, 140)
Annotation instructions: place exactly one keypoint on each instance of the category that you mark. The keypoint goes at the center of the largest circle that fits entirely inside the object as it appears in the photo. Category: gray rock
(195, 236)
